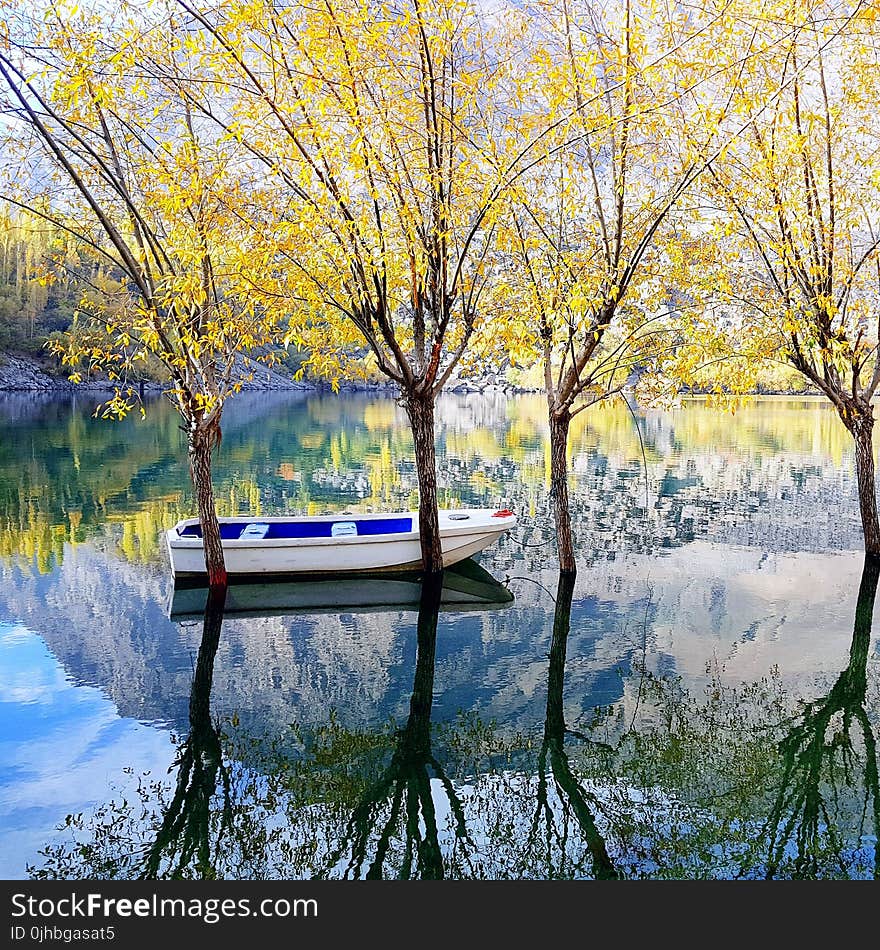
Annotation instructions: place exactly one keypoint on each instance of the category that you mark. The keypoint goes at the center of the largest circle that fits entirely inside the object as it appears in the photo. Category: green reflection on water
(738, 780)
(66, 477)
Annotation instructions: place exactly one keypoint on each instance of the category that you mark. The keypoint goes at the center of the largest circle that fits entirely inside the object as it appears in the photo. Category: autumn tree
(115, 157)
(796, 229)
(37, 296)
(590, 230)
(386, 134)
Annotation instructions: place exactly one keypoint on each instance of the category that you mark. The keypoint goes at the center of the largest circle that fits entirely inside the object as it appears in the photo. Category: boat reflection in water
(466, 586)
(202, 812)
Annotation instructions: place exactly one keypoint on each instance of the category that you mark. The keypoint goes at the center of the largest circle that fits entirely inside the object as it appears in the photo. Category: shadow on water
(465, 586)
(821, 751)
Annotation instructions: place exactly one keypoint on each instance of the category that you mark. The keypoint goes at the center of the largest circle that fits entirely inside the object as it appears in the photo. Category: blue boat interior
(275, 530)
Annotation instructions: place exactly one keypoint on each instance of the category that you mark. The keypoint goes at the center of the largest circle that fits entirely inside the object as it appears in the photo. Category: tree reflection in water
(740, 782)
(573, 795)
(188, 833)
(404, 789)
(821, 751)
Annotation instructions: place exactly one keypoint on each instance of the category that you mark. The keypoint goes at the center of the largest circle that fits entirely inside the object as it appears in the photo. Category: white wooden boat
(466, 586)
(334, 543)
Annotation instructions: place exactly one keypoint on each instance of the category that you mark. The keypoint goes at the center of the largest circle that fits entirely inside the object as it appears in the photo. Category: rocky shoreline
(23, 373)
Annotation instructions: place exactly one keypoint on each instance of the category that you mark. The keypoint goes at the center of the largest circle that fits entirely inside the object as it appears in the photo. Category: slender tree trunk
(420, 409)
(202, 441)
(861, 426)
(559, 424)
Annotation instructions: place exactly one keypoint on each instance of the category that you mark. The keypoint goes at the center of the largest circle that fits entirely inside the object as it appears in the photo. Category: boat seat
(305, 529)
(253, 532)
(343, 529)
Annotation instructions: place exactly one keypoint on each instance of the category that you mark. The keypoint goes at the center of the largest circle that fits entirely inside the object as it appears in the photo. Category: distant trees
(115, 157)
(37, 296)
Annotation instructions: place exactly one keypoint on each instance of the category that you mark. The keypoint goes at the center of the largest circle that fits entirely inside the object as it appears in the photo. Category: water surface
(660, 726)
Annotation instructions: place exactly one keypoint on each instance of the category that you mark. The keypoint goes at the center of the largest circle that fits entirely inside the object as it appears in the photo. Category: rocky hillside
(22, 373)
(26, 374)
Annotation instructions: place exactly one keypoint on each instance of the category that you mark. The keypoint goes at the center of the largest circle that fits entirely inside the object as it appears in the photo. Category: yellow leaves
(794, 169)
(339, 189)
(183, 302)
(117, 407)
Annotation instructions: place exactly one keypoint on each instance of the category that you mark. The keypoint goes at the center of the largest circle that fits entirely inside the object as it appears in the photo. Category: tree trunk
(861, 427)
(559, 423)
(203, 438)
(420, 409)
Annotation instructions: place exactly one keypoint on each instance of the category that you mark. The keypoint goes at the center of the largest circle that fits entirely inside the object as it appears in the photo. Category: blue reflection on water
(61, 746)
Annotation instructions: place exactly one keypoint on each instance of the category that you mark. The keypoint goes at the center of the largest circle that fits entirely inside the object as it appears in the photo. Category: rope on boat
(536, 527)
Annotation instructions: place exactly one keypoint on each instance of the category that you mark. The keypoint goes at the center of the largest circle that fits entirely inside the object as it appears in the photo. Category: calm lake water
(703, 703)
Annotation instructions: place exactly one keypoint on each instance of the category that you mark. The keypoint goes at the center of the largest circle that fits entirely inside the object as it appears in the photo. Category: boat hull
(459, 539)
